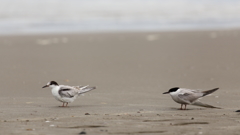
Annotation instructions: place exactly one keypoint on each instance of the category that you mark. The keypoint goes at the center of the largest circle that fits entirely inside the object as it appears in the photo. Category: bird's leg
(63, 104)
(181, 107)
(185, 106)
(66, 104)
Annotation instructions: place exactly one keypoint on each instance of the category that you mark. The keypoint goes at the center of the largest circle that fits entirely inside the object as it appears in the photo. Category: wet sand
(130, 71)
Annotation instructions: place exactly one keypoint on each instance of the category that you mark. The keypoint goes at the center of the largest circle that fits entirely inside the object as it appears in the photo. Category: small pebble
(87, 114)
(192, 118)
(30, 129)
(83, 132)
(237, 111)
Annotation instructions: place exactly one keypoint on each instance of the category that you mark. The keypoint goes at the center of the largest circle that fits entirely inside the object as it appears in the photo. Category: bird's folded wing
(67, 92)
(78, 87)
(187, 97)
(85, 89)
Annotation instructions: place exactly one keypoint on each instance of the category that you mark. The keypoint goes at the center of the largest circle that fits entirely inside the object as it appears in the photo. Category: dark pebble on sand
(83, 132)
(237, 111)
(192, 118)
(103, 130)
(87, 114)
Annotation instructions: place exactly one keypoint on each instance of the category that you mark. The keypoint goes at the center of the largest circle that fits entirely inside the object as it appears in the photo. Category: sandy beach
(131, 71)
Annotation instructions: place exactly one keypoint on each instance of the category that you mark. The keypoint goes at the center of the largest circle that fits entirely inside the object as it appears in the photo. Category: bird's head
(171, 90)
(51, 84)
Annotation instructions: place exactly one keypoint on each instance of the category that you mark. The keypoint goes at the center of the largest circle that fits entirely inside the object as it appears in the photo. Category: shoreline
(120, 32)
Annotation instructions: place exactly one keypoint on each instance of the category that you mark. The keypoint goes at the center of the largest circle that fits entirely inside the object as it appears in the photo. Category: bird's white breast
(176, 98)
(55, 93)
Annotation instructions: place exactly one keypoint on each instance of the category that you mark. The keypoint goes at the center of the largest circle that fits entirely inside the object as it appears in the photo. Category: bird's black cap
(172, 90)
(53, 83)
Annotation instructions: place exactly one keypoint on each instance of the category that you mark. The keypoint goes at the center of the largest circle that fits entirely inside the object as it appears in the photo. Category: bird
(67, 94)
(186, 97)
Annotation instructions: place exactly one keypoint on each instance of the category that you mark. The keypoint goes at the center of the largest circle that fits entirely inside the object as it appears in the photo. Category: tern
(67, 94)
(186, 97)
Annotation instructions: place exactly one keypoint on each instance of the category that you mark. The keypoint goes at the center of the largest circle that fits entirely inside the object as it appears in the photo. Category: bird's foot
(62, 105)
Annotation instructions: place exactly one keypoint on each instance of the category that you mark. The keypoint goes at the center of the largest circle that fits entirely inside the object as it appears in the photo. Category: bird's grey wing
(78, 87)
(85, 89)
(67, 92)
(187, 97)
(191, 91)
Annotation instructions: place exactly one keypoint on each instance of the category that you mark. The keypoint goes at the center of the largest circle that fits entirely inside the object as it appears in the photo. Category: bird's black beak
(165, 92)
(45, 86)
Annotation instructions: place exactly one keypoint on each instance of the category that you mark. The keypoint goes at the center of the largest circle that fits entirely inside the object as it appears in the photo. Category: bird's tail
(206, 92)
(198, 103)
(84, 89)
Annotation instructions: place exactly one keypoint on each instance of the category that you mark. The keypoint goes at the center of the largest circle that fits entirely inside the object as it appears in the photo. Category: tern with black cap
(186, 97)
(67, 94)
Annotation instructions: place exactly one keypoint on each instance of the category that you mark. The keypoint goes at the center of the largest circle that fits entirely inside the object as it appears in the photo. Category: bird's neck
(54, 86)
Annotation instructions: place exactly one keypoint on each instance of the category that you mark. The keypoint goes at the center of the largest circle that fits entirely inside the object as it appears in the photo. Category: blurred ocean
(56, 16)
